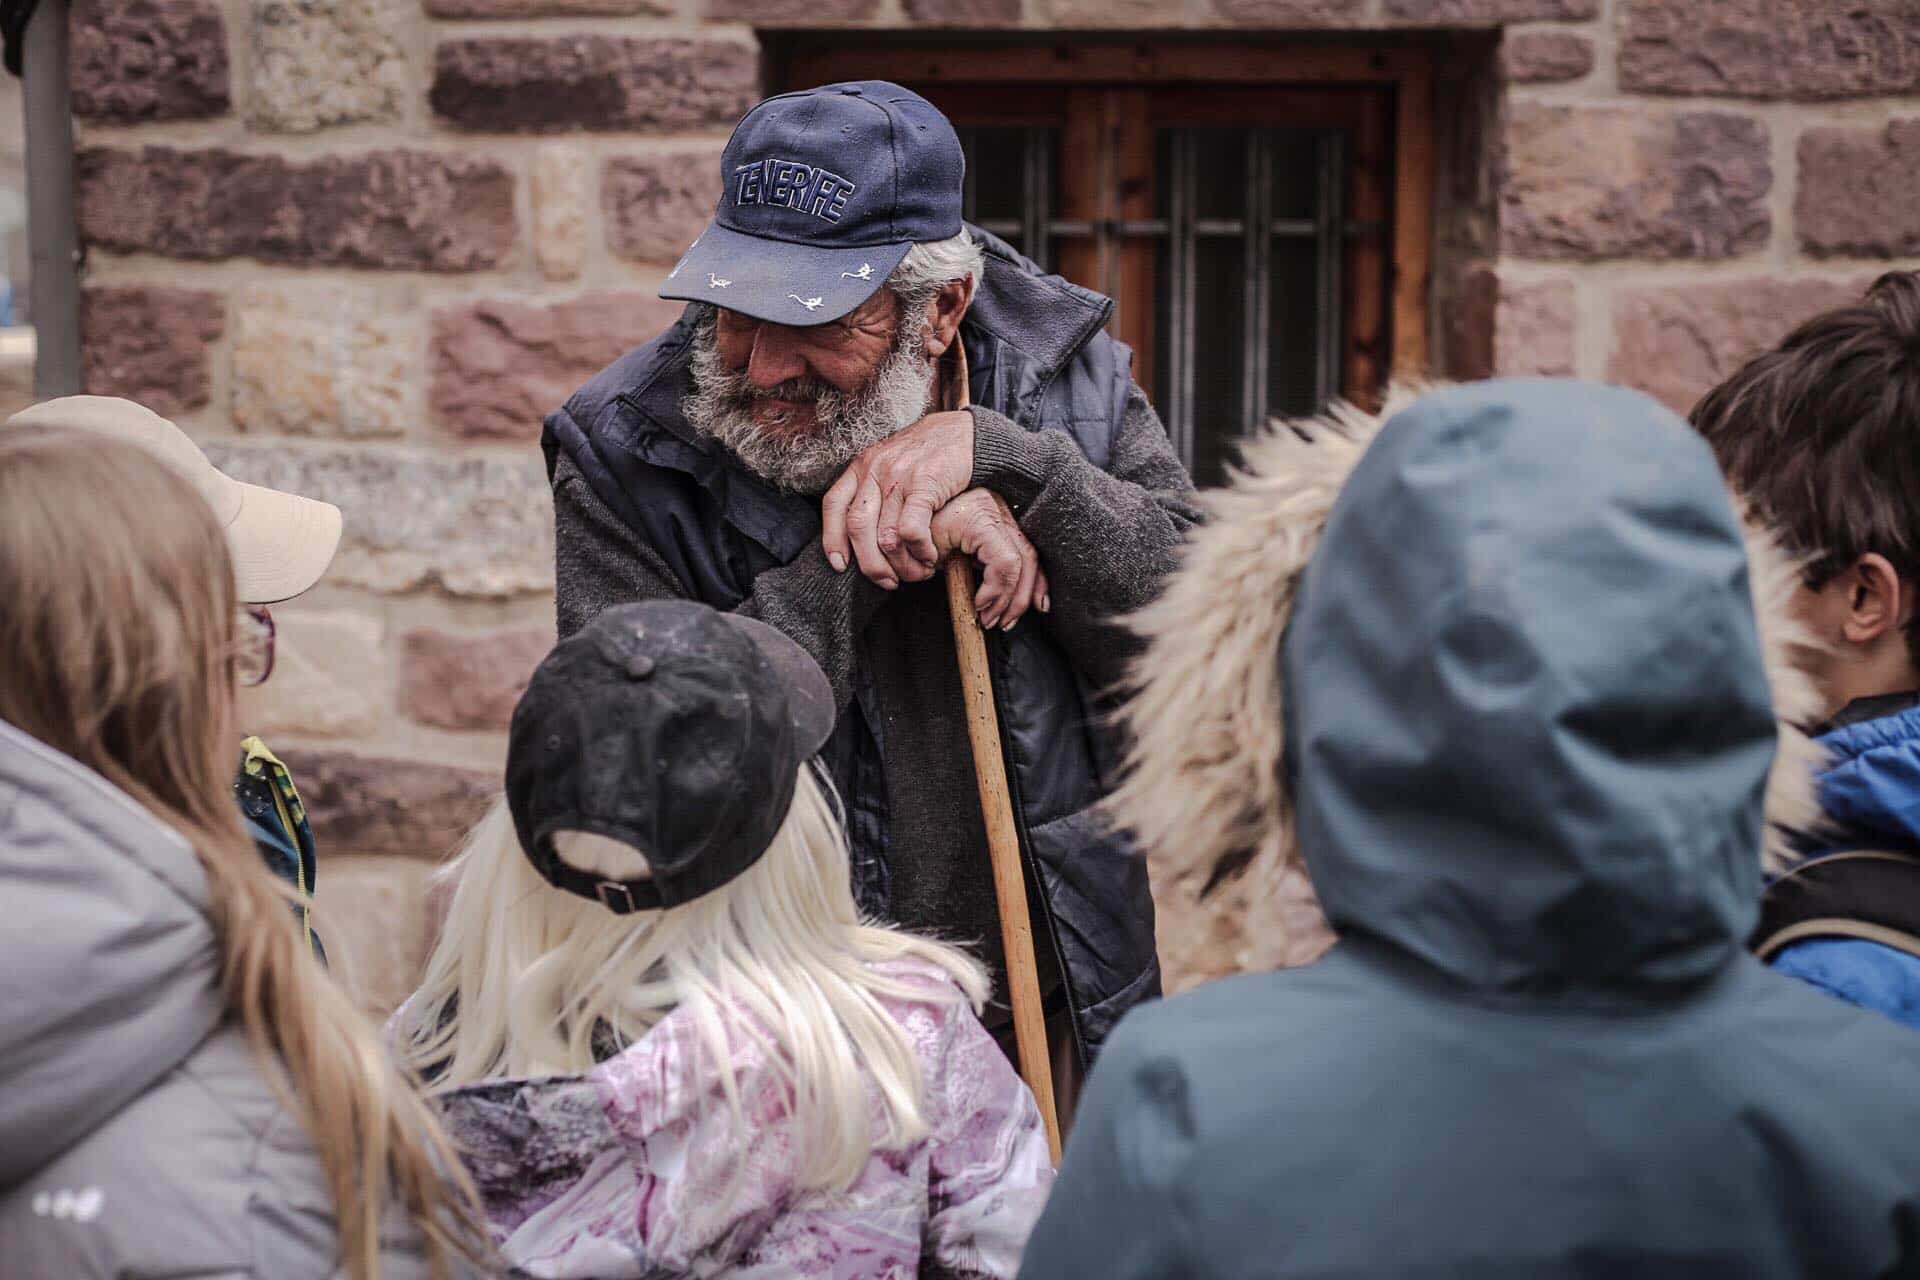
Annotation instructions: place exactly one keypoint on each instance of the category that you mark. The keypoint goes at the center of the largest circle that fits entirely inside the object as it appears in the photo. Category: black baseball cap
(674, 729)
(822, 192)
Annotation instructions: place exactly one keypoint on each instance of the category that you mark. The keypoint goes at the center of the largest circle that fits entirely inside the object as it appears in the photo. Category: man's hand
(881, 510)
(979, 523)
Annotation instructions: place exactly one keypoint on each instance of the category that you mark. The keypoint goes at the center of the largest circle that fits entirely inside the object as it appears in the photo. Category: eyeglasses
(253, 652)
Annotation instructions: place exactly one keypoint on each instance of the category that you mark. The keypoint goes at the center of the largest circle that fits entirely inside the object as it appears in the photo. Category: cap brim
(281, 542)
(778, 280)
(809, 696)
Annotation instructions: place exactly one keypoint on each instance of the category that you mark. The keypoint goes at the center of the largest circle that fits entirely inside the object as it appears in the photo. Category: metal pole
(52, 232)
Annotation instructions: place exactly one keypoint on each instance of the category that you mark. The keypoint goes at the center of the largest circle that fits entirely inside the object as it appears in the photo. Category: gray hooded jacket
(1527, 734)
(138, 1136)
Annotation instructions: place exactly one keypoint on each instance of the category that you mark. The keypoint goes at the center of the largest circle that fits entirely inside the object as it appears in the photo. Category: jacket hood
(109, 969)
(1870, 791)
(1522, 725)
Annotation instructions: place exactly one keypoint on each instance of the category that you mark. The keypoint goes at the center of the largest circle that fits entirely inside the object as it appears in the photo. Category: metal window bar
(1259, 268)
(1177, 378)
(1036, 205)
(1033, 232)
(1330, 216)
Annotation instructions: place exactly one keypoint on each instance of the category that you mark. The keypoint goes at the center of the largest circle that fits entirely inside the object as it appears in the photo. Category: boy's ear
(1877, 601)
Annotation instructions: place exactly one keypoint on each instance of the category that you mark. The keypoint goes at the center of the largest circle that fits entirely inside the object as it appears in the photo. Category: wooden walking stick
(996, 806)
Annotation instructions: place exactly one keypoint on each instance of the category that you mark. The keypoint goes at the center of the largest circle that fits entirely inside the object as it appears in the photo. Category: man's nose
(775, 357)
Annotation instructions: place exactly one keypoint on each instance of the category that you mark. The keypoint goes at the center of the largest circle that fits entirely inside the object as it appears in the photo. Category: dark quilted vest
(1038, 353)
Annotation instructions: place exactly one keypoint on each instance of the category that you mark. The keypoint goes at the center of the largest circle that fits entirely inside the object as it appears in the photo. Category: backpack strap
(1870, 894)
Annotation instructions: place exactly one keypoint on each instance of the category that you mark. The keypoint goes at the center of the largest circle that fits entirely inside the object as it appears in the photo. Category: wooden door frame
(811, 59)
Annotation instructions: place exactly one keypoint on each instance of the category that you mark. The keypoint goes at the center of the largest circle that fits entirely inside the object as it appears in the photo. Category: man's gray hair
(932, 264)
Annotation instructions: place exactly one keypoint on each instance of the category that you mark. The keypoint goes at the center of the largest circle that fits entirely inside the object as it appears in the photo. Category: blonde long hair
(527, 979)
(116, 649)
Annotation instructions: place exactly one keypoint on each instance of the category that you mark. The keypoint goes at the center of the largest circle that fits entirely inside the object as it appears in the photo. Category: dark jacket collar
(1043, 317)
(1884, 704)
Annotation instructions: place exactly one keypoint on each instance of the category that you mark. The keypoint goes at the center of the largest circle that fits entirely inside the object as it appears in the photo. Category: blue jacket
(1871, 794)
(1527, 736)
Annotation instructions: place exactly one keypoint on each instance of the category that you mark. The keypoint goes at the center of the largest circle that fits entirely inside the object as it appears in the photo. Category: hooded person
(657, 1023)
(182, 1090)
(1495, 674)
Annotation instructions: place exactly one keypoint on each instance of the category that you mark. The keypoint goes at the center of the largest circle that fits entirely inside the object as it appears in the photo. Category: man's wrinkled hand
(880, 511)
(979, 523)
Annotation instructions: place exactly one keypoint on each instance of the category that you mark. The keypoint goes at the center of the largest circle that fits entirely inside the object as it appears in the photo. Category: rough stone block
(467, 682)
(1491, 11)
(368, 804)
(1504, 328)
(791, 12)
(1533, 330)
(472, 526)
(562, 184)
(135, 60)
(151, 343)
(1802, 49)
(415, 210)
(1290, 13)
(1126, 13)
(327, 665)
(500, 367)
(373, 917)
(325, 360)
(325, 62)
(654, 205)
(548, 8)
(1859, 191)
(1544, 57)
(538, 84)
(1614, 182)
(1678, 343)
(964, 13)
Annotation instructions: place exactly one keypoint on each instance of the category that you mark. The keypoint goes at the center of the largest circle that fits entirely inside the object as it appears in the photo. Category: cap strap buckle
(616, 897)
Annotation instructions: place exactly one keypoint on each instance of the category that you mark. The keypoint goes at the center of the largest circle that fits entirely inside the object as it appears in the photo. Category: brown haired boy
(1822, 435)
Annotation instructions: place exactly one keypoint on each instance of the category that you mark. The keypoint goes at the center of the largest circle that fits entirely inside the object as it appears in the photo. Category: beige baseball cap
(281, 542)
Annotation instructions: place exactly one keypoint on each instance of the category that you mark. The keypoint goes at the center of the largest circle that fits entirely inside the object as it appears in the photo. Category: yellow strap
(257, 750)
(258, 755)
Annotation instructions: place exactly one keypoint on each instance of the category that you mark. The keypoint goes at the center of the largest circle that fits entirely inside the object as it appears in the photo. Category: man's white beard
(845, 425)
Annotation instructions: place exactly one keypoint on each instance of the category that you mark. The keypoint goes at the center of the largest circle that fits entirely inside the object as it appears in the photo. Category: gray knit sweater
(1106, 538)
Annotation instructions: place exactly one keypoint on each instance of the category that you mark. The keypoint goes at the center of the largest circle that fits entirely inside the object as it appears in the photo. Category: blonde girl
(658, 1024)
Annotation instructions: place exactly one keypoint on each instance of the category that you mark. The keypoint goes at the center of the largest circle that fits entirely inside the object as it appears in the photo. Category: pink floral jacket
(634, 1170)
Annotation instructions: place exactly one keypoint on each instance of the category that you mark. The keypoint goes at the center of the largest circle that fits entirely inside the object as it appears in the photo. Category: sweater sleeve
(1107, 539)
(600, 562)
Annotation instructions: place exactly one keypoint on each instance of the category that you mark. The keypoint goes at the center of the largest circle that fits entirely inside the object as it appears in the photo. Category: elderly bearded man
(773, 453)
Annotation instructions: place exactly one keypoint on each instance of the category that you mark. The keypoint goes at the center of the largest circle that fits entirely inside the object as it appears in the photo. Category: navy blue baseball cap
(822, 193)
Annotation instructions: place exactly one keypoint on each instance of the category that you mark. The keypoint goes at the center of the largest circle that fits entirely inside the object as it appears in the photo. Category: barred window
(1264, 239)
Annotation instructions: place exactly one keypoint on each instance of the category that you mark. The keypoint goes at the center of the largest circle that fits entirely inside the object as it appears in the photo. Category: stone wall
(362, 246)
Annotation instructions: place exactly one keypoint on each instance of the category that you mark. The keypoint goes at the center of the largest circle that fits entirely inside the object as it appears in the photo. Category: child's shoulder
(927, 999)
(914, 980)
